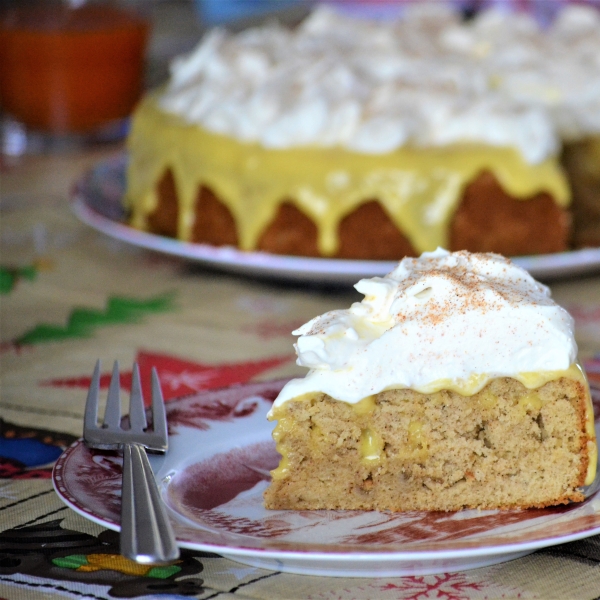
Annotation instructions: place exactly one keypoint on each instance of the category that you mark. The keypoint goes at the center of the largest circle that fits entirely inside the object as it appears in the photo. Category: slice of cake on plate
(453, 384)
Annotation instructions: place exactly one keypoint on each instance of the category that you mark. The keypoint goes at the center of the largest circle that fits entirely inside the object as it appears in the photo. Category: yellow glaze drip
(419, 188)
(371, 445)
(488, 400)
(476, 382)
(590, 429)
(283, 469)
(530, 403)
(365, 407)
(284, 425)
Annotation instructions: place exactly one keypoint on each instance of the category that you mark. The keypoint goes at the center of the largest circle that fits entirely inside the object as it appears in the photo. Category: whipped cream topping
(441, 321)
(425, 79)
(557, 70)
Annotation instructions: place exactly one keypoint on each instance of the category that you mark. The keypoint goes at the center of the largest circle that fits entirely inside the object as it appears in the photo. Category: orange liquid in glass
(67, 70)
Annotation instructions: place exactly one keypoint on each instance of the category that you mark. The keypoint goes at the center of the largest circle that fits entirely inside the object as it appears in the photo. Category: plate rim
(299, 268)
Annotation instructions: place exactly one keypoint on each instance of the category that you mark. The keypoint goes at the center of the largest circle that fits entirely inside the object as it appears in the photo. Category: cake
(558, 70)
(351, 138)
(453, 384)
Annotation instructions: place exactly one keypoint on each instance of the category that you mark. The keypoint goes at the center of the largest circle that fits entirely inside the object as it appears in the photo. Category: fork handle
(146, 533)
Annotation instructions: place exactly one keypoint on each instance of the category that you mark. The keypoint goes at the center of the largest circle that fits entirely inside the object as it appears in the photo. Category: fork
(146, 533)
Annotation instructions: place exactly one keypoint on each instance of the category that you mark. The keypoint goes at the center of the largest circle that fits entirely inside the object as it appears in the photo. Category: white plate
(97, 202)
(217, 468)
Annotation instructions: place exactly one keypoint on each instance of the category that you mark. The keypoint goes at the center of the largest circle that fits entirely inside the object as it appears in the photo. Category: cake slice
(452, 385)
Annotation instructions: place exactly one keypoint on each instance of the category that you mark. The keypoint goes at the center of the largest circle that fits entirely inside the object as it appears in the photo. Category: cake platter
(97, 201)
(217, 467)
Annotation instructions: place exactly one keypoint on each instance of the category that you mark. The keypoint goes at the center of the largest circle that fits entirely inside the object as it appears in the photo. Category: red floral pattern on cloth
(10, 469)
(180, 377)
(446, 586)
(449, 586)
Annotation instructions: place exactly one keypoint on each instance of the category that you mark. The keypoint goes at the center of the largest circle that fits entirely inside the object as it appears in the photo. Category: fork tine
(112, 415)
(137, 413)
(90, 418)
(159, 417)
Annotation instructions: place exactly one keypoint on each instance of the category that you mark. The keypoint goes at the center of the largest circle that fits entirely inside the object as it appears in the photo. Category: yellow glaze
(487, 400)
(475, 383)
(531, 403)
(284, 425)
(365, 407)
(590, 429)
(419, 188)
(371, 445)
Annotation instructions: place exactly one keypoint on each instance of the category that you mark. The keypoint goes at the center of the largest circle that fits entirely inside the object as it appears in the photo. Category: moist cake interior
(506, 446)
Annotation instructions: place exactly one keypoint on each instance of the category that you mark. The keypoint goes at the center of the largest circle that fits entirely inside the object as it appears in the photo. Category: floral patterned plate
(217, 468)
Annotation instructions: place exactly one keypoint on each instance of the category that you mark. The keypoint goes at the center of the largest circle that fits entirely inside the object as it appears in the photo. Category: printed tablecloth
(70, 295)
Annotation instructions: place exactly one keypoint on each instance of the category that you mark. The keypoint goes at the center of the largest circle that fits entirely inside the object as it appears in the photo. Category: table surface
(59, 279)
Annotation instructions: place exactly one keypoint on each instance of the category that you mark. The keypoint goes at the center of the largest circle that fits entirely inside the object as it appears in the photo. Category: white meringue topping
(426, 79)
(444, 320)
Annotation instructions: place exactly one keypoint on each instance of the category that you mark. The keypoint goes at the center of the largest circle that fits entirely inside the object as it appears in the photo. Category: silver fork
(146, 533)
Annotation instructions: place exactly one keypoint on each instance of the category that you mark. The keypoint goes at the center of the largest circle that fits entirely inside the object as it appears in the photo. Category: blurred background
(71, 71)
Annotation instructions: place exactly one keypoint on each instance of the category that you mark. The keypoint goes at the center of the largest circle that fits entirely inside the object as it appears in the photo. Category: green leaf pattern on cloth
(75, 561)
(9, 277)
(83, 321)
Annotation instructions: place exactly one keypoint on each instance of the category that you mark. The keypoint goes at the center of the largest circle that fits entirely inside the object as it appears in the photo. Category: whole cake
(452, 385)
(351, 138)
